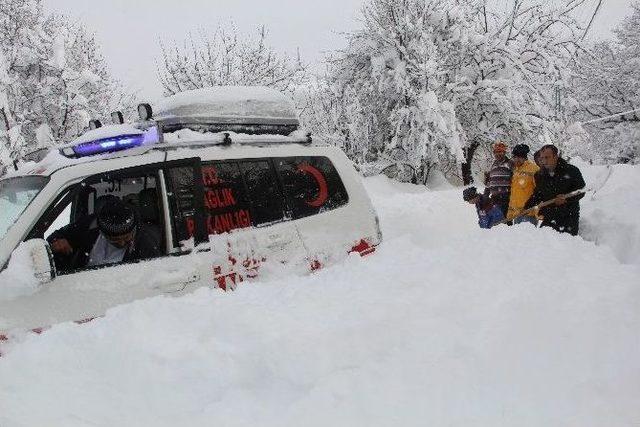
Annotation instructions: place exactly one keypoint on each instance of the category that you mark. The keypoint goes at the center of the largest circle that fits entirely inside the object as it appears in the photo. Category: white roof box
(233, 105)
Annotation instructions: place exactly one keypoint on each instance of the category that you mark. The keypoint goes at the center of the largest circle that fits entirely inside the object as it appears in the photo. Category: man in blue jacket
(489, 212)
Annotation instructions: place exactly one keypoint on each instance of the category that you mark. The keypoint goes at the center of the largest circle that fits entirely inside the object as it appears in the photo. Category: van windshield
(15, 196)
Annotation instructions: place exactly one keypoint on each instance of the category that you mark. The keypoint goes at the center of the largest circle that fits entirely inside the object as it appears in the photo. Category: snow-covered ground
(445, 324)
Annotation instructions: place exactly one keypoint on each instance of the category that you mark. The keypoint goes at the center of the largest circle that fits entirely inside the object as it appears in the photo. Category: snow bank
(446, 324)
(611, 215)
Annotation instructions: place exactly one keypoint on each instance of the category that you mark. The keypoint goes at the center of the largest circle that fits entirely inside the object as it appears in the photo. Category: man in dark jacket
(555, 179)
(117, 238)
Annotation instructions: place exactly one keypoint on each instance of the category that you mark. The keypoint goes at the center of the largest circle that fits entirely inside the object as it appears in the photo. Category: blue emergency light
(108, 145)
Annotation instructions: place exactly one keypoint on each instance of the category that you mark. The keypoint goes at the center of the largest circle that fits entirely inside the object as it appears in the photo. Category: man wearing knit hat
(120, 238)
(498, 179)
(117, 225)
(117, 238)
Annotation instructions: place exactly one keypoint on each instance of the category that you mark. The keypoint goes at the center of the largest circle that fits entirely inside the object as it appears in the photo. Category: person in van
(523, 184)
(118, 238)
(498, 179)
(71, 236)
(489, 213)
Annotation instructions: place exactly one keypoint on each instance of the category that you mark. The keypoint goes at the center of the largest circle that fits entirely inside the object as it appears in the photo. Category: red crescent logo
(323, 194)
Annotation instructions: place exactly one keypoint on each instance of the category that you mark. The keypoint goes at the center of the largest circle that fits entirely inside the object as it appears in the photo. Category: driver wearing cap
(118, 238)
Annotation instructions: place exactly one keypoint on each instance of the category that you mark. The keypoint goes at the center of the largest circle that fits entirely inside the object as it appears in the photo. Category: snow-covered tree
(389, 78)
(606, 82)
(227, 57)
(440, 80)
(52, 79)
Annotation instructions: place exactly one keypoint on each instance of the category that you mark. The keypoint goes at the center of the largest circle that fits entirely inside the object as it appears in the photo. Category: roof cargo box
(240, 109)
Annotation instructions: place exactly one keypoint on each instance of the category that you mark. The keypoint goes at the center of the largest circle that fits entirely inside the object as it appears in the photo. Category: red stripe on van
(363, 248)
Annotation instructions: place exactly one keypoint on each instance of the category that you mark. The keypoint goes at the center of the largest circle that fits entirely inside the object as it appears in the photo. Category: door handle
(277, 241)
(180, 284)
(193, 277)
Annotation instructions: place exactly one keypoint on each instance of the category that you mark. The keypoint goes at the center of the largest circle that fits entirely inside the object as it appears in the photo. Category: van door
(319, 206)
(84, 295)
(81, 291)
(271, 215)
(245, 218)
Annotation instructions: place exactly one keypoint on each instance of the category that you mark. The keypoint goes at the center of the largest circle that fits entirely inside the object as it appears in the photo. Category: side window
(263, 192)
(225, 199)
(183, 201)
(126, 188)
(311, 184)
(61, 221)
(57, 216)
(70, 224)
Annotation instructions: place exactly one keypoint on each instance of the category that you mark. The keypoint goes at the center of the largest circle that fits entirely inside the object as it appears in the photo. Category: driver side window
(130, 230)
(62, 220)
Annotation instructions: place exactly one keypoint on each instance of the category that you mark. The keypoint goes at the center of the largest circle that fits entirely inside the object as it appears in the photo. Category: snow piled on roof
(52, 162)
(189, 135)
(227, 101)
(445, 324)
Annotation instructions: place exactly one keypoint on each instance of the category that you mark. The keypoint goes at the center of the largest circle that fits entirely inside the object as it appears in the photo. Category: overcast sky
(129, 30)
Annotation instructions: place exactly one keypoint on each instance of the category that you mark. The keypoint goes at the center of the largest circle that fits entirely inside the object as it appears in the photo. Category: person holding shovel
(555, 179)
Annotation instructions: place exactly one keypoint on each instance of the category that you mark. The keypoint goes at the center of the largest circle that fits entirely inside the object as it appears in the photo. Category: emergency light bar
(108, 145)
(109, 139)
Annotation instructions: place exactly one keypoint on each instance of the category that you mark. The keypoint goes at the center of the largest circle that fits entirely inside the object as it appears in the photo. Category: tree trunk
(5, 120)
(469, 152)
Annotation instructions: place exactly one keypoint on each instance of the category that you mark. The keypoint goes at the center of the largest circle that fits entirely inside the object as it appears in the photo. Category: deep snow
(445, 324)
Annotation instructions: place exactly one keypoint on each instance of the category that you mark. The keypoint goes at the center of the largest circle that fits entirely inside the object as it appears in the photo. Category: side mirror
(41, 260)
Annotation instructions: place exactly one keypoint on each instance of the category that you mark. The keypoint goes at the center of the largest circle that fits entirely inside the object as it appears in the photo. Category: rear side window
(225, 199)
(312, 185)
(263, 192)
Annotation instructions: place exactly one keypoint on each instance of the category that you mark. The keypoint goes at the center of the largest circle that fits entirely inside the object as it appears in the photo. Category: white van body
(222, 261)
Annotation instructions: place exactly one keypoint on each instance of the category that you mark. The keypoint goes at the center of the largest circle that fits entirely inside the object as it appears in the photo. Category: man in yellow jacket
(523, 184)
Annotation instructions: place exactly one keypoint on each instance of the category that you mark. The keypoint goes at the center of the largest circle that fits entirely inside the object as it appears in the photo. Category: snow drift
(611, 214)
(446, 324)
